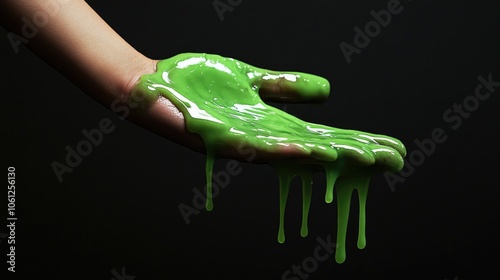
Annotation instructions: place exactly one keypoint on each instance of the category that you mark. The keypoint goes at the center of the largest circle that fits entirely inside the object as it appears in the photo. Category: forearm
(78, 43)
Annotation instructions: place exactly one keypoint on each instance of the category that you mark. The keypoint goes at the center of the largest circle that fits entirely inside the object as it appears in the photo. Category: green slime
(219, 98)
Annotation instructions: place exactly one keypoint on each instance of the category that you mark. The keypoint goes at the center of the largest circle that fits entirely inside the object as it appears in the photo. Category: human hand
(223, 100)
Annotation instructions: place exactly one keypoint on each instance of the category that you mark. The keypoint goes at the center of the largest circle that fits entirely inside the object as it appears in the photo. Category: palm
(222, 101)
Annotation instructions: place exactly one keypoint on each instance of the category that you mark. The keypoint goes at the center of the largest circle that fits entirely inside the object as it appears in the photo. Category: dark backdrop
(116, 215)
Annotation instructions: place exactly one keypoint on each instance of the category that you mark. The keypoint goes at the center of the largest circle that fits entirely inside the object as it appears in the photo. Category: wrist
(141, 66)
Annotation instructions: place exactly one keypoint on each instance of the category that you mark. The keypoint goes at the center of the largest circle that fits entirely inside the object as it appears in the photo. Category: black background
(119, 207)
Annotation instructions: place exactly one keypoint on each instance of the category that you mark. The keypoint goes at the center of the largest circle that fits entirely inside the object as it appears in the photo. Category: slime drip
(345, 185)
(220, 99)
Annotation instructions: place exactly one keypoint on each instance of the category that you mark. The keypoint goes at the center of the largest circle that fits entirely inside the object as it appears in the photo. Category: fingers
(293, 87)
(388, 158)
(386, 141)
(387, 152)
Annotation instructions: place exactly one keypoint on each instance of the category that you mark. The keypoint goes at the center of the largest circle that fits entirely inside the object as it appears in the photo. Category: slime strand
(306, 202)
(331, 177)
(344, 192)
(209, 166)
(285, 179)
(362, 189)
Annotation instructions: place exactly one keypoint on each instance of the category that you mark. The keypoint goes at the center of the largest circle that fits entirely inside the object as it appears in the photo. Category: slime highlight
(222, 100)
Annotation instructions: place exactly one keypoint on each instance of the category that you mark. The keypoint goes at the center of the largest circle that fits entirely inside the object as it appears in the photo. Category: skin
(78, 43)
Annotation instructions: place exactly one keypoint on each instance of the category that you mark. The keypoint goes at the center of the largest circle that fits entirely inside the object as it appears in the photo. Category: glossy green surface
(219, 98)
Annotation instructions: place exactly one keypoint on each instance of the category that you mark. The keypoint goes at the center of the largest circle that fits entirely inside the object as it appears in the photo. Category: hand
(222, 100)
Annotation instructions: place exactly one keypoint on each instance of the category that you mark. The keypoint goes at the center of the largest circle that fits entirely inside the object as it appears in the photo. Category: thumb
(293, 87)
